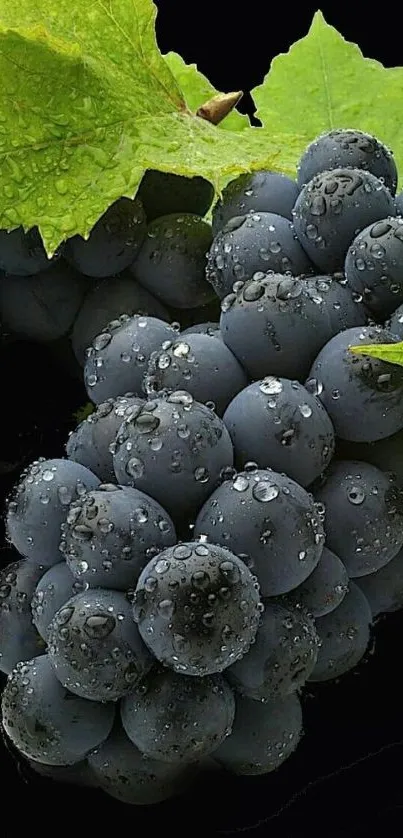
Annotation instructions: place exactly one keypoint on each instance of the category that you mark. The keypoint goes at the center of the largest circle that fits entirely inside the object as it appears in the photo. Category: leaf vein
(326, 82)
(139, 53)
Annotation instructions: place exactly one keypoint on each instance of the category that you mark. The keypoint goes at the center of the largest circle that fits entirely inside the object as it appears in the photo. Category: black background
(346, 777)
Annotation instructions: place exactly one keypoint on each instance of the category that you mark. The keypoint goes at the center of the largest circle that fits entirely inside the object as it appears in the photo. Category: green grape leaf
(324, 82)
(197, 89)
(392, 352)
(88, 103)
(83, 412)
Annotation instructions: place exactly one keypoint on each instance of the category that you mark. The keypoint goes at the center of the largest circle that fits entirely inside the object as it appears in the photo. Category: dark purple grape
(362, 395)
(95, 648)
(41, 307)
(172, 261)
(200, 363)
(325, 587)
(19, 638)
(173, 449)
(344, 636)
(113, 242)
(22, 252)
(111, 533)
(384, 588)
(164, 193)
(331, 210)
(197, 607)
(176, 719)
(278, 424)
(210, 327)
(261, 191)
(106, 301)
(46, 722)
(89, 444)
(268, 520)
(256, 242)
(276, 325)
(117, 360)
(374, 266)
(363, 515)
(348, 147)
(39, 505)
(282, 657)
(264, 735)
(123, 772)
(54, 588)
(386, 454)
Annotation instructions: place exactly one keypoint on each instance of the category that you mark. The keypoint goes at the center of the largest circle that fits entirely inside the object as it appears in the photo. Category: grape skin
(185, 318)
(282, 657)
(251, 243)
(260, 191)
(111, 533)
(222, 610)
(113, 242)
(124, 773)
(42, 307)
(89, 444)
(175, 719)
(348, 147)
(363, 515)
(399, 202)
(182, 463)
(164, 193)
(384, 588)
(278, 424)
(54, 588)
(257, 321)
(395, 322)
(171, 263)
(268, 520)
(344, 635)
(362, 395)
(39, 505)
(325, 587)
(45, 722)
(332, 208)
(386, 454)
(107, 300)
(19, 639)
(210, 327)
(373, 266)
(94, 646)
(117, 360)
(264, 735)
(201, 364)
(22, 252)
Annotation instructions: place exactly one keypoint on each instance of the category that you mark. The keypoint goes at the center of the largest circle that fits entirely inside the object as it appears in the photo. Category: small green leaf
(83, 412)
(392, 352)
(197, 89)
(88, 103)
(324, 82)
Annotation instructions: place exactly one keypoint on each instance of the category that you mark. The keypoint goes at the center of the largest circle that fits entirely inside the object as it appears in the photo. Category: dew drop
(265, 492)
(356, 495)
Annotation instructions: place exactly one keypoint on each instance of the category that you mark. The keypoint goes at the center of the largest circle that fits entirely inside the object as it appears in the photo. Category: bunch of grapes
(227, 523)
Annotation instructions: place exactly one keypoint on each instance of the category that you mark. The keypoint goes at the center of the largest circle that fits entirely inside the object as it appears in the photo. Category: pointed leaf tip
(390, 352)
